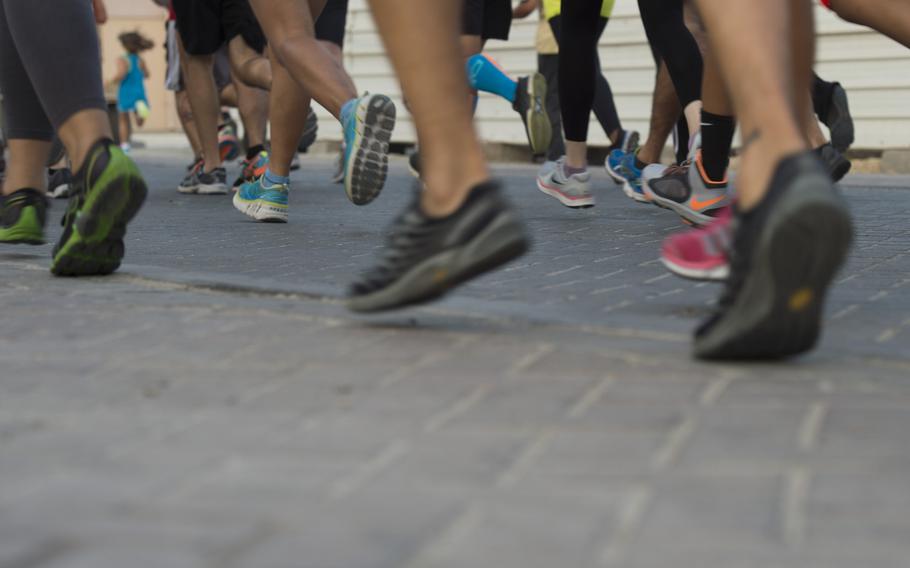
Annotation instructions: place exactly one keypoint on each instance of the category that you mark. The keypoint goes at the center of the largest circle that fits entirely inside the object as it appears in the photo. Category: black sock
(821, 96)
(716, 140)
(253, 151)
(639, 164)
(682, 139)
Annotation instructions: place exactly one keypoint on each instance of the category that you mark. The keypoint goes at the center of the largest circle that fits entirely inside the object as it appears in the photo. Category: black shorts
(489, 19)
(206, 25)
(331, 23)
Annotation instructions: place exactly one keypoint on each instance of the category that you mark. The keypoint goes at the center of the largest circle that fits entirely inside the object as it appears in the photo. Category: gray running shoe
(786, 252)
(685, 190)
(838, 119)
(425, 258)
(190, 183)
(835, 162)
(213, 182)
(572, 191)
(531, 104)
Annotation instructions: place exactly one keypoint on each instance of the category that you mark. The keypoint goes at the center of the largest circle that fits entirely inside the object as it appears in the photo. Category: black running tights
(665, 26)
(577, 57)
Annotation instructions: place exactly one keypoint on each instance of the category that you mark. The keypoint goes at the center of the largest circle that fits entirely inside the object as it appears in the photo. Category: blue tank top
(132, 87)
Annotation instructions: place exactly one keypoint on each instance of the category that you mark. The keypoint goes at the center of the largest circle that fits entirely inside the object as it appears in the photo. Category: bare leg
(289, 26)
(203, 97)
(80, 132)
(124, 124)
(664, 112)
(253, 105)
(250, 67)
(25, 167)
(885, 16)
(434, 81)
(288, 109)
(749, 39)
(185, 114)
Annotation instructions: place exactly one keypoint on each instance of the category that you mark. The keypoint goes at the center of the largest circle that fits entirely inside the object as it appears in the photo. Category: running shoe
(414, 163)
(295, 162)
(59, 182)
(338, 174)
(627, 173)
(268, 203)
(785, 255)
(702, 253)
(687, 191)
(108, 192)
(572, 191)
(212, 183)
(367, 133)
(252, 168)
(309, 132)
(425, 258)
(23, 214)
(190, 183)
(530, 104)
(838, 119)
(835, 162)
(228, 143)
(628, 143)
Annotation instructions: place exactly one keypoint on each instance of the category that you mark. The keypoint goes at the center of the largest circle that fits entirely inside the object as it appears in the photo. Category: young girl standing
(131, 74)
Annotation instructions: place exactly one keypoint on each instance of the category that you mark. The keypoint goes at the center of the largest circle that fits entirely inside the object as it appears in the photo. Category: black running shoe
(212, 183)
(425, 258)
(835, 162)
(23, 215)
(838, 119)
(785, 254)
(108, 192)
(530, 103)
(414, 163)
(59, 183)
(309, 132)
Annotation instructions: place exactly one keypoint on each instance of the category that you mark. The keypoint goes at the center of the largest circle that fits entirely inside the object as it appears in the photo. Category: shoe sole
(583, 203)
(187, 190)
(842, 130)
(841, 169)
(95, 245)
(368, 165)
(717, 274)
(632, 194)
(22, 238)
(540, 131)
(778, 312)
(504, 239)
(260, 210)
(217, 189)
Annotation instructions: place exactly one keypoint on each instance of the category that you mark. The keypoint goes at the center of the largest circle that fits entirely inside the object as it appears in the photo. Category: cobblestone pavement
(214, 405)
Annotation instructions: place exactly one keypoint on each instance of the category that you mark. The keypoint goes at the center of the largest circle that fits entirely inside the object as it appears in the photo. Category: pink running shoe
(701, 254)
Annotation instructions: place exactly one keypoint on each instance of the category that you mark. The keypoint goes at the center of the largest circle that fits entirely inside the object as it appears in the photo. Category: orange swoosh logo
(700, 205)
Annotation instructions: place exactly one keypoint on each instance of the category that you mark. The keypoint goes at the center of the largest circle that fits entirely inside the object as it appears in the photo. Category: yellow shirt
(554, 7)
(546, 41)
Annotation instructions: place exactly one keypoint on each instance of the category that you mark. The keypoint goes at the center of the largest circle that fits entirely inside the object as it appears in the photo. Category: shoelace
(678, 168)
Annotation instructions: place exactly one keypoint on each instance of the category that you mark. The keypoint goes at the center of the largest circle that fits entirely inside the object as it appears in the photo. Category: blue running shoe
(367, 131)
(614, 158)
(267, 203)
(631, 175)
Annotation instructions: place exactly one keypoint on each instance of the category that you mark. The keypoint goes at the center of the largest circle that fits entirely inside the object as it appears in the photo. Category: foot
(628, 143)
(835, 162)
(23, 214)
(263, 202)
(190, 183)
(571, 190)
(425, 258)
(701, 254)
(687, 191)
(786, 252)
(367, 133)
(212, 183)
(530, 103)
(838, 119)
(108, 192)
(228, 144)
(309, 132)
(59, 182)
(621, 167)
(252, 169)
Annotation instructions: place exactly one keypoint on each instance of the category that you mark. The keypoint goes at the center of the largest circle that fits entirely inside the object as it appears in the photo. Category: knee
(287, 45)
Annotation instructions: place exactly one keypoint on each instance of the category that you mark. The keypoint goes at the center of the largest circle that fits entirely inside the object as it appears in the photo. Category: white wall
(875, 71)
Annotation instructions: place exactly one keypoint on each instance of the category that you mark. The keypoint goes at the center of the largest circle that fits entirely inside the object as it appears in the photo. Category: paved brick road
(215, 406)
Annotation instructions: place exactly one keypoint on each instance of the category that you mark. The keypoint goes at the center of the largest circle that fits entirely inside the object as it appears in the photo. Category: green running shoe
(108, 191)
(22, 217)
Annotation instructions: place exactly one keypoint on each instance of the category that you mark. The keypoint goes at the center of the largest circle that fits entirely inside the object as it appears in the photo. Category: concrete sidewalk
(213, 404)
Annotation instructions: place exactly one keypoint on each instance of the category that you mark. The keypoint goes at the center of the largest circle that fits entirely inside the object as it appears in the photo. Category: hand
(100, 11)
